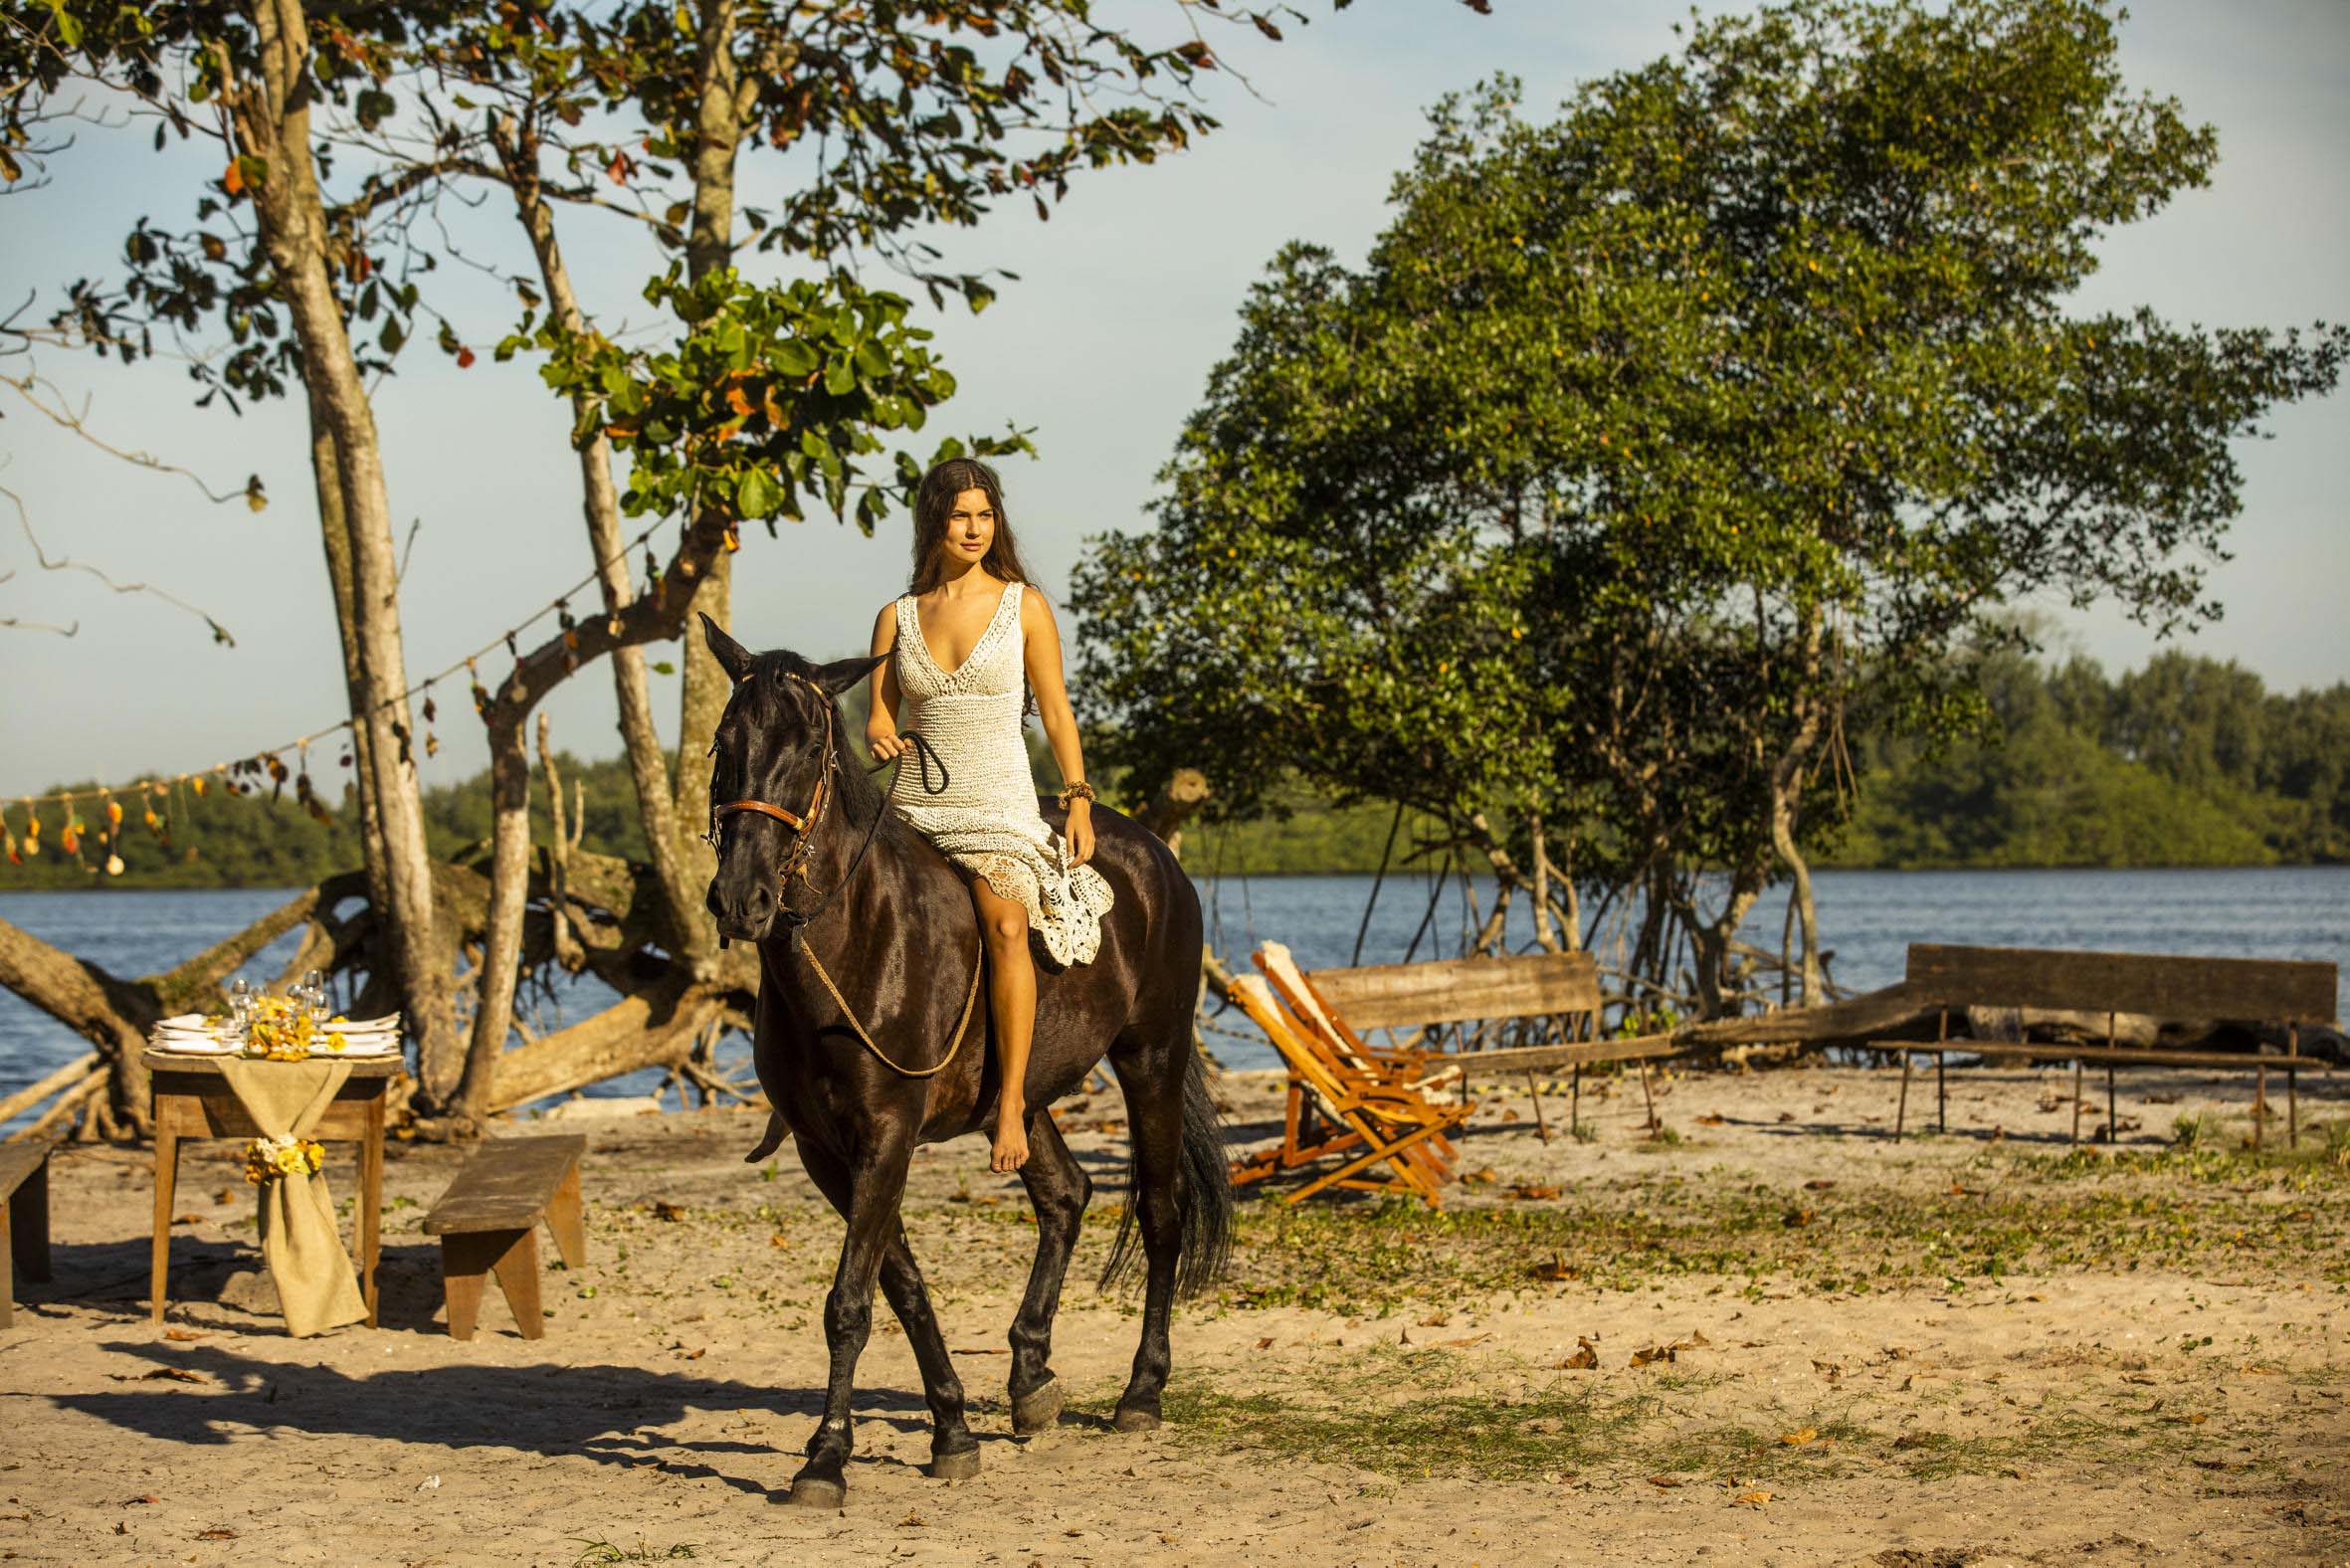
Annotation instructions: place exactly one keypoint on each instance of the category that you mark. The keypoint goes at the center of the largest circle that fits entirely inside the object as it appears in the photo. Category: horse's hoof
(960, 1465)
(813, 1492)
(1131, 1420)
(1038, 1410)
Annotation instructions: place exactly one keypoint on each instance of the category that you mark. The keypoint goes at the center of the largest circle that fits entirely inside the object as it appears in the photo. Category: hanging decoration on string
(244, 775)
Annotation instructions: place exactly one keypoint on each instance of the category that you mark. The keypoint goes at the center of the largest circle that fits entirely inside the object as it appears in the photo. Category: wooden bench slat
(1455, 989)
(2253, 990)
(20, 1160)
(2129, 1056)
(506, 1185)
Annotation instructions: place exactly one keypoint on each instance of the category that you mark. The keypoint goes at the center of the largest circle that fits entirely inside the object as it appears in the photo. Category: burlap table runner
(300, 1239)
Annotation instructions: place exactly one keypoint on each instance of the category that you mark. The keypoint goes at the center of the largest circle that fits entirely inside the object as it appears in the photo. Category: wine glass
(313, 988)
(240, 1011)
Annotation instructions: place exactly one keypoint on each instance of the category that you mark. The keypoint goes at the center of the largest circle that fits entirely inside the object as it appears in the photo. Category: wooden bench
(1560, 987)
(2237, 990)
(487, 1222)
(24, 1221)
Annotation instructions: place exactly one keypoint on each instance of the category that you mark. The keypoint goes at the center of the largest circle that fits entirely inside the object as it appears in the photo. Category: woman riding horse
(870, 960)
(969, 596)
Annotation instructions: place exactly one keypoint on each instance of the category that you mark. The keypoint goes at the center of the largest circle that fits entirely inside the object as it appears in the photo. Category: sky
(1124, 300)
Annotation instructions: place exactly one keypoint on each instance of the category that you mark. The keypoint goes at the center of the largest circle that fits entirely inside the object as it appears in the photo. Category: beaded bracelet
(1078, 790)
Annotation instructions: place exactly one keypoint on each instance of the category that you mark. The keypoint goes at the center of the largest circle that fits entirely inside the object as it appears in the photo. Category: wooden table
(193, 1101)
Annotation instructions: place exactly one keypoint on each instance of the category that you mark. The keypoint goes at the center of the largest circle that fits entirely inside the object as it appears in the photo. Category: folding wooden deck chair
(1370, 1117)
(1421, 1069)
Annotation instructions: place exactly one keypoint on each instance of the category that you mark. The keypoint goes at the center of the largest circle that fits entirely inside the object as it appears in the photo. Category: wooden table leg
(166, 1187)
(370, 1203)
(27, 1220)
(567, 1224)
(1901, 1107)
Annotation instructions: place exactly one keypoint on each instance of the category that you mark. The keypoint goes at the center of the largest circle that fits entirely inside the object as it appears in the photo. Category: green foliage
(769, 396)
(1648, 442)
(2188, 762)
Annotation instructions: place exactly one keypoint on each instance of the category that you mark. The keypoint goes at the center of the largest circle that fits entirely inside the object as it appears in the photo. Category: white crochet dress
(988, 820)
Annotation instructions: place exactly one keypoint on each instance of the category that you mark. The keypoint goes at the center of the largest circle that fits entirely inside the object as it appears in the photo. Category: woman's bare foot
(1011, 1147)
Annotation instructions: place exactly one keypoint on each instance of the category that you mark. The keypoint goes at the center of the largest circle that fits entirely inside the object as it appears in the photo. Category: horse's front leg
(1059, 1189)
(875, 1183)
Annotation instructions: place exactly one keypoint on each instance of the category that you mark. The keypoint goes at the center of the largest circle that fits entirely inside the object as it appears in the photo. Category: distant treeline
(2189, 761)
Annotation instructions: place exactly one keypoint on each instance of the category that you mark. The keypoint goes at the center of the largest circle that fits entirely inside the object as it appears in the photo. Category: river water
(1866, 920)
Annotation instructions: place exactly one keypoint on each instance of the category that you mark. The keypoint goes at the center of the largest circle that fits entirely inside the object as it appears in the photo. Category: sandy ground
(1958, 1349)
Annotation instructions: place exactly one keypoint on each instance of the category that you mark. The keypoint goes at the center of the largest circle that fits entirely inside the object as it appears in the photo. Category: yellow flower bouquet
(283, 1031)
(267, 1159)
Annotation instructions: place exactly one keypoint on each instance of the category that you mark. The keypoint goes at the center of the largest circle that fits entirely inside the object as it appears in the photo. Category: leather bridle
(795, 864)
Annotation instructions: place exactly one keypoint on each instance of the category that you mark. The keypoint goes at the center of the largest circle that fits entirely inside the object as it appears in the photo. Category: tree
(1650, 443)
(892, 117)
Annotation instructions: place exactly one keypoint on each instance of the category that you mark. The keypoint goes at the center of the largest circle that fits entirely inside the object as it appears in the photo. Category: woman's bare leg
(1012, 1003)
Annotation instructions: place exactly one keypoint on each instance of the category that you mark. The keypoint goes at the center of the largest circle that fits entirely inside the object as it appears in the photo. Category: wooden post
(166, 1185)
(2260, 1105)
(371, 1203)
(1648, 1099)
(2293, 1088)
(1901, 1111)
(2077, 1102)
(1535, 1091)
(1574, 1104)
(2113, 1119)
(1941, 1081)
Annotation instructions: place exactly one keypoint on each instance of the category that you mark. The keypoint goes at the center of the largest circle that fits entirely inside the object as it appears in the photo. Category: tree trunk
(272, 120)
(691, 934)
(112, 1014)
(502, 933)
(710, 247)
(656, 1027)
(326, 478)
(1787, 783)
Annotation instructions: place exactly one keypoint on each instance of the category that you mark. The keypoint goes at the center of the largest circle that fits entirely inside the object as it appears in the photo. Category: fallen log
(652, 1028)
(26, 1098)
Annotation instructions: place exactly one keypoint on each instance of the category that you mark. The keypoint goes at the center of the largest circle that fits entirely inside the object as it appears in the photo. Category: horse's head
(778, 754)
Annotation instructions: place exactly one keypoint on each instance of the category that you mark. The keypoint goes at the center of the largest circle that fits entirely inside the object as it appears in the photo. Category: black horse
(873, 1038)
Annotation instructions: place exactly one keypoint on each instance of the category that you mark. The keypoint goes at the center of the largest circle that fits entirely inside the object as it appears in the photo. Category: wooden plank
(20, 1160)
(2126, 1055)
(179, 1065)
(216, 1113)
(507, 1184)
(1523, 1059)
(1455, 990)
(2251, 990)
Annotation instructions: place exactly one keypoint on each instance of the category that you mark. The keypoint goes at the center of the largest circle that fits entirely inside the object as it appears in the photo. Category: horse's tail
(1203, 1194)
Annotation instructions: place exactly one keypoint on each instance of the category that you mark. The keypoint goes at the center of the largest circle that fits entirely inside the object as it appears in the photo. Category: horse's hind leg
(1154, 1117)
(1059, 1189)
(868, 1201)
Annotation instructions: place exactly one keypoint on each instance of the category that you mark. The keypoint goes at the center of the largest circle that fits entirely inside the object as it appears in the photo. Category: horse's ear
(732, 655)
(842, 674)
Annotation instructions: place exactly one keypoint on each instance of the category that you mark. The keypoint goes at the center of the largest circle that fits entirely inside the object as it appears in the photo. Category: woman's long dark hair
(934, 502)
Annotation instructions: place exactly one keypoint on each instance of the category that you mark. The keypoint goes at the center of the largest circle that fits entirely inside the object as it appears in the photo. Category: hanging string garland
(243, 776)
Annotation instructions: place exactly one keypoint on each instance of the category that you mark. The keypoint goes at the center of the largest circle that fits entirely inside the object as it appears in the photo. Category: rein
(795, 864)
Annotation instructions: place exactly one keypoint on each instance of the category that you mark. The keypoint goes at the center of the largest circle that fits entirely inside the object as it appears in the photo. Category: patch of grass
(2198, 1211)
(1529, 1438)
(1402, 1415)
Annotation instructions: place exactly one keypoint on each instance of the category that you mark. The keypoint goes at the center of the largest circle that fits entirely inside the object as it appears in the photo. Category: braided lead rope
(850, 1013)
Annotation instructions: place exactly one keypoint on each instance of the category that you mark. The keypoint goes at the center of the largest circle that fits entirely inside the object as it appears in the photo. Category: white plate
(193, 1046)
